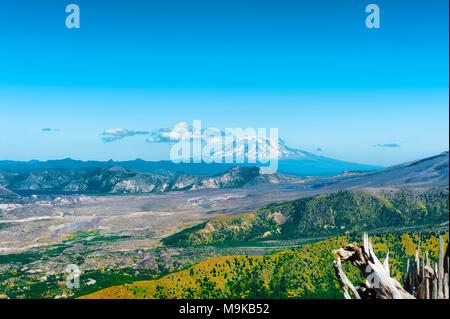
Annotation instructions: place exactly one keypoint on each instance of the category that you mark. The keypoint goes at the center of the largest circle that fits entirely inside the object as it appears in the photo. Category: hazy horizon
(168, 160)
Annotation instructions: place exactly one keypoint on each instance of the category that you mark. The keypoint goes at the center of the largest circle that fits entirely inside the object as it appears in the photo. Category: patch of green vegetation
(76, 236)
(5, 225)
(93, 236)
(54, 250)
(110, 238)
(19, 258)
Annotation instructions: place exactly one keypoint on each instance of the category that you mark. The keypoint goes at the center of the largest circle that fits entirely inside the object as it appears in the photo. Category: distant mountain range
(290, 161)
(85, 178)
(120, 180)
(429, 172)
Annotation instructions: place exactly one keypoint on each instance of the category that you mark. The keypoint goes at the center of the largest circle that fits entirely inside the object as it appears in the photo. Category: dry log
(344, 281)
(441, 269)
(421, 281)
(434, 294)
(377, 274)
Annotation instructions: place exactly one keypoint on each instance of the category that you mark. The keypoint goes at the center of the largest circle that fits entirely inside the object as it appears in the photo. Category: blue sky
(310, 68)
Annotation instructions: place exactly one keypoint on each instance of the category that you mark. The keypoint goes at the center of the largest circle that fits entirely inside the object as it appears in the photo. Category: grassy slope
(325, 215)
(305, 272)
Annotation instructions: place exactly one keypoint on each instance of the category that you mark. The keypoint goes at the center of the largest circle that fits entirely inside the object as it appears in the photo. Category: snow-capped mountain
(254, 149)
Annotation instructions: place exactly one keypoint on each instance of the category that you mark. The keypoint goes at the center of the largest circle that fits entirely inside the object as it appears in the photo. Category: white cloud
(393, 145)
(176, 133)
(114, 134)
(50, 129)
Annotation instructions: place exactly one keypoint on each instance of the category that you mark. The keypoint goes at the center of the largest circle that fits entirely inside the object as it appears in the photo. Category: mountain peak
(255, 148)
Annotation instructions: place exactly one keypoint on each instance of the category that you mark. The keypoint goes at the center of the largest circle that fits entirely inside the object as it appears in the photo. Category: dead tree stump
(379, 284)
(421, 280)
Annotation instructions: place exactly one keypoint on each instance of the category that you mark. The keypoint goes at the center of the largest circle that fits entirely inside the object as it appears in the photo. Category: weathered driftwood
(421, 280)
(344, 281)
(378, 279)
(426, 281)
